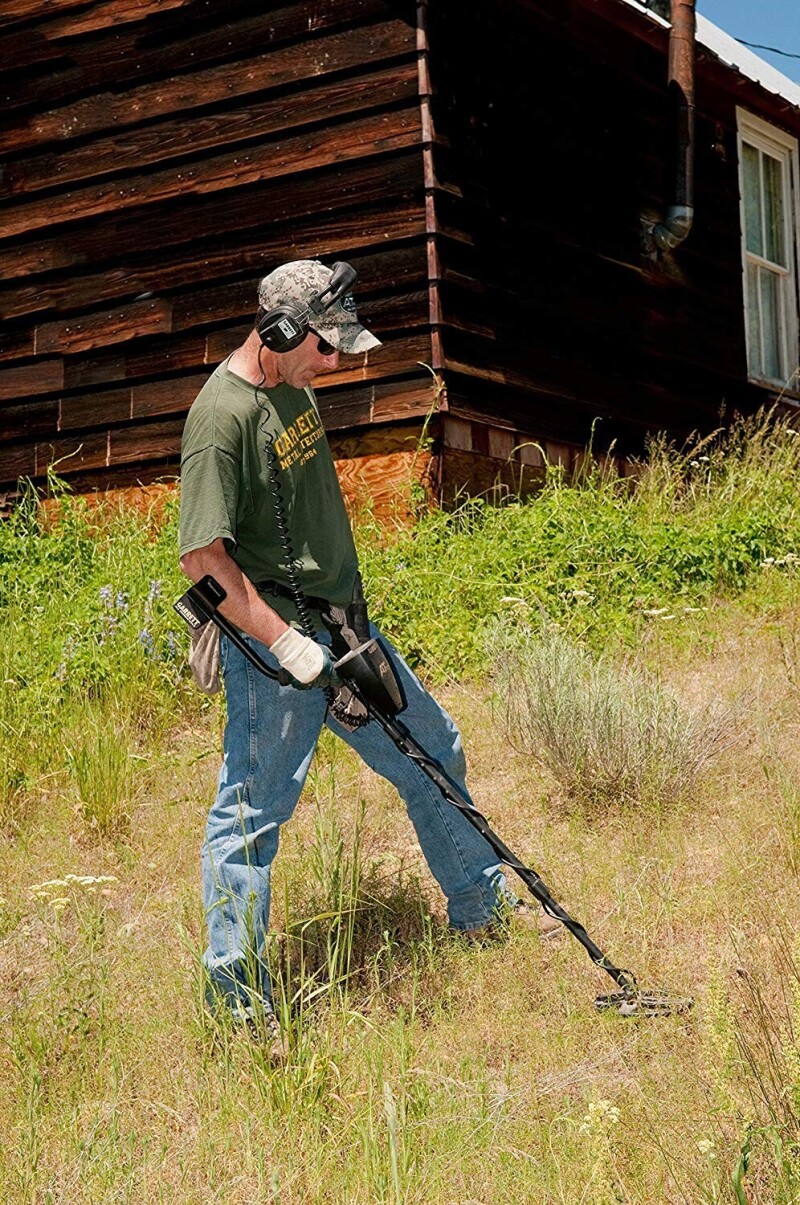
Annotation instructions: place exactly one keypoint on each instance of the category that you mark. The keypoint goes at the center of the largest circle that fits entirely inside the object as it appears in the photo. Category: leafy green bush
(600, 555)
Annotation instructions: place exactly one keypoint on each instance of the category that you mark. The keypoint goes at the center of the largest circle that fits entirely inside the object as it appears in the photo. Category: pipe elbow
(675, 228)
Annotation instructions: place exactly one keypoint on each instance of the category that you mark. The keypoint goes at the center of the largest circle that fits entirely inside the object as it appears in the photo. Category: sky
(771, 22)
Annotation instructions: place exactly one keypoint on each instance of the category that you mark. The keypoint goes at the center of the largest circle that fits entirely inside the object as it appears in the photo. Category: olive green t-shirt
(226, 490)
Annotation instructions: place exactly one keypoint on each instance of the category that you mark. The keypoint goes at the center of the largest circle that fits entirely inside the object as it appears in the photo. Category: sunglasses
(323, 346)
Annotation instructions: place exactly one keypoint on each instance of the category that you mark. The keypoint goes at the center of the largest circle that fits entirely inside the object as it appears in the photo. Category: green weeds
(91, 655)
(106, 772)
(608, 558)
(56, 1030)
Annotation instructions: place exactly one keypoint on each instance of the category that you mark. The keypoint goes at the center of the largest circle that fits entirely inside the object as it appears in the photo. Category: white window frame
(768, 138)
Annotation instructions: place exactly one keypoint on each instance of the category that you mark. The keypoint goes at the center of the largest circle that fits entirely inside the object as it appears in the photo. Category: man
(254, 429)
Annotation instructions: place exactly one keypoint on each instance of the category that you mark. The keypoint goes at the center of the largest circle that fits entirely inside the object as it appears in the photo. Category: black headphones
(285, 327)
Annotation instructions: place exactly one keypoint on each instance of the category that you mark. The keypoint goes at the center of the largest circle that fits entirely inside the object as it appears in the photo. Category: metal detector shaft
(235, 636)
(402, 738)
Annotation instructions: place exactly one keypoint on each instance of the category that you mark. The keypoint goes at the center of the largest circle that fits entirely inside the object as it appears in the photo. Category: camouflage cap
(296, 284)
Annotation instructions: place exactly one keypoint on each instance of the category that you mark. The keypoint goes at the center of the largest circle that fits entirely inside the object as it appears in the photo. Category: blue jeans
(270, 738)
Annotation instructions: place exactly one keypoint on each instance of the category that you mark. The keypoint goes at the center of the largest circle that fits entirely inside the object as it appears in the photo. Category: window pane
(752, 199)
(773, 210)
(770, 284)
(753, 322)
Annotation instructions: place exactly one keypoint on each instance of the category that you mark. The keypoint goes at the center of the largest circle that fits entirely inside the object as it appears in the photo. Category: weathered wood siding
(158, 156)
(485, 167)
(552, 140)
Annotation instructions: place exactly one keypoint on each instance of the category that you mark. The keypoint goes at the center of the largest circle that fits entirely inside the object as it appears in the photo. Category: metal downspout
(676, 225)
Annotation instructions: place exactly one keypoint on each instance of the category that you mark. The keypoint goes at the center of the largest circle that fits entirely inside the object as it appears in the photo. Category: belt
(281, 591)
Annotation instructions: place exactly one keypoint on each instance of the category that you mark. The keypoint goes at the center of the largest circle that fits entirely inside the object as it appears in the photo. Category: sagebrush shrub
(609, 733)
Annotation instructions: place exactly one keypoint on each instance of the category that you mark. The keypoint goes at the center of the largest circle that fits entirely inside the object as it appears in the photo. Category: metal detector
(366, 671)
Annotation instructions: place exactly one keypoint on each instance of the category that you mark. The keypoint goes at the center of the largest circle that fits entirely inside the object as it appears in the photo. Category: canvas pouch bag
(204, 658)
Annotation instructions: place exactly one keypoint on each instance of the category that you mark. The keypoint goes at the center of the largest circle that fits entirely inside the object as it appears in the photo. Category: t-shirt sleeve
(210, 489)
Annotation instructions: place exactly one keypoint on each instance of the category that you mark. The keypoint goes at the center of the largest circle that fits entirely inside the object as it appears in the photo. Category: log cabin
(503, 177)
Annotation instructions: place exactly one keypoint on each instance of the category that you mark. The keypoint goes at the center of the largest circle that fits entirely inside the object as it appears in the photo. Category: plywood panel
(377, 472)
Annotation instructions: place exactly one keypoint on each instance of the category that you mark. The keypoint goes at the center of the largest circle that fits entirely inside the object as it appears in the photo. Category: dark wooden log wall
(156, 158)
(551, 141)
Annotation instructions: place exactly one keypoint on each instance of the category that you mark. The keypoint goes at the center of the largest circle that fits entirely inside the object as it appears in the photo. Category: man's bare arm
(308, 663)
(244, 607)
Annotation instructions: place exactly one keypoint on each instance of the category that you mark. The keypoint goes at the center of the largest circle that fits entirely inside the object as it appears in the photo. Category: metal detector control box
(198, 604)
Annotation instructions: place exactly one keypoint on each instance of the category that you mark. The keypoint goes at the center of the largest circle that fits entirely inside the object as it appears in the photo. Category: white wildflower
(600, 1116)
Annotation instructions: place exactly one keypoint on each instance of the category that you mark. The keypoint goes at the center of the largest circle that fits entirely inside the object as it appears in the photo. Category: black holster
(348, 626)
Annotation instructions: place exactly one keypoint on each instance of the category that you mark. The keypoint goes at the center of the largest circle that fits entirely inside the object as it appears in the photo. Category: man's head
(299, 291)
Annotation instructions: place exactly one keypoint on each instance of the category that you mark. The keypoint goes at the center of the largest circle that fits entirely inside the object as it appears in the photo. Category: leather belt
(281, 591)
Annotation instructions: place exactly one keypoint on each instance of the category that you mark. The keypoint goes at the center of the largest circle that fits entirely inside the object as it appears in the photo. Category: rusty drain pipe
(674, 229)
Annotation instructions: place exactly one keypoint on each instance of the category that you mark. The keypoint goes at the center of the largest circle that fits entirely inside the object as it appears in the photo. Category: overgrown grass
(421, 1071)
(91, 654)
(606, 557)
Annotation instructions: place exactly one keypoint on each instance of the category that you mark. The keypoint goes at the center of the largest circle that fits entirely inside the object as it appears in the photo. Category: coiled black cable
(291, 562)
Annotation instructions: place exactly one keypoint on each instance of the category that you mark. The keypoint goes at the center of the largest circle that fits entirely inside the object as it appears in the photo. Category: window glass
(768, 169)
(770, 329)
(753, 323)
(773, 210)
(752, 199)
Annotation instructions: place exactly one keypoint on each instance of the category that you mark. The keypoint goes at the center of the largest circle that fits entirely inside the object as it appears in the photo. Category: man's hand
(307, 663)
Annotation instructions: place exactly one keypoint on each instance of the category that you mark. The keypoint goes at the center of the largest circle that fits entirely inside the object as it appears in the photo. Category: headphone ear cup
(283, 328)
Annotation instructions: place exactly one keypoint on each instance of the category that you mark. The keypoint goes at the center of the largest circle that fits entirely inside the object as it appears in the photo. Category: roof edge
(734, 55)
